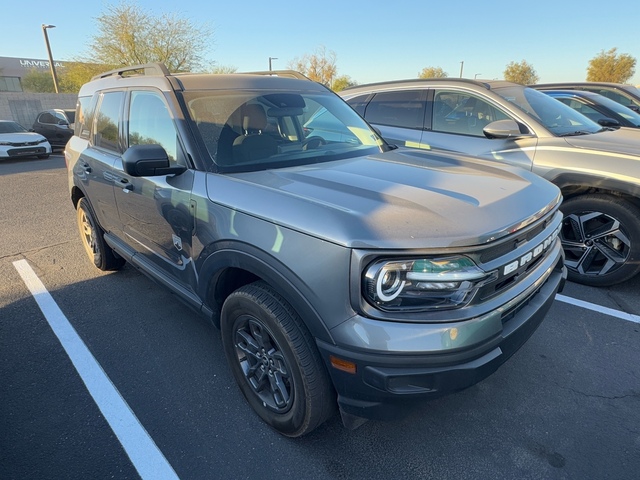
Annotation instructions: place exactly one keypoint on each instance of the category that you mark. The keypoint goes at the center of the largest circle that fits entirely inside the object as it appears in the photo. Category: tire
(92, 237)
(601, 239)
(274, 360)
(46, 155)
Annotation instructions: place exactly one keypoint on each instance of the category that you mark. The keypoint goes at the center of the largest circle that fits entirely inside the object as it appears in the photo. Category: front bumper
(385, 381)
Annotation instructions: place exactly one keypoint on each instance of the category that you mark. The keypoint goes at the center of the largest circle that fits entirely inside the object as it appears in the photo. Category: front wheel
(92, 238)
(601, 239)
(274, 360)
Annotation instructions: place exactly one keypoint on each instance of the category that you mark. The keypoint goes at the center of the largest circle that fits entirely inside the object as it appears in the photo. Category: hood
(398, 199)
(21, 137)
(624, 141)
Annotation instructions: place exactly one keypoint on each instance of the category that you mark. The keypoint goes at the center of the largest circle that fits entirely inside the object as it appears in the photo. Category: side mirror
(609, 122)
(148, 161)
(504, 129)
(64, 123)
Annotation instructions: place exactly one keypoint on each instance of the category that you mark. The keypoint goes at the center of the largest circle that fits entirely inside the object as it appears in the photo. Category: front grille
(21, 152)
(509, 246)
(515, 257)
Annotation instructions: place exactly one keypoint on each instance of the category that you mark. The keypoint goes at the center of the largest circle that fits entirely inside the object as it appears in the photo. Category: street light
(476, 75)
(271, 58)
(51, 65)
(461, 67)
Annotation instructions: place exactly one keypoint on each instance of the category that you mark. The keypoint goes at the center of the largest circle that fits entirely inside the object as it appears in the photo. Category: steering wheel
(313, 142)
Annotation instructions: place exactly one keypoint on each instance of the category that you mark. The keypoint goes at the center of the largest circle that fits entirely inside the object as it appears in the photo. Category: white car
(17, 141)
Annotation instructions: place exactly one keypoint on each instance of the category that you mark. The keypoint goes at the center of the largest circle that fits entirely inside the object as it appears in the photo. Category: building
(13, 70)
(22, 107)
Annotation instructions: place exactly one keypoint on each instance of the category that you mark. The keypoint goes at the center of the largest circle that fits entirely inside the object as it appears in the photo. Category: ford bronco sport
(341, 272)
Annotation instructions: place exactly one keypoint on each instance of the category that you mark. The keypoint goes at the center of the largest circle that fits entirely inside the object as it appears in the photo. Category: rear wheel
(92, 237)
(274, 360)
(601, 239)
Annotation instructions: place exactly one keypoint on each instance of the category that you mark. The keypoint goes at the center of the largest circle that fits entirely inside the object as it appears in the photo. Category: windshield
(253, 130)
(11, 127)
(560, 119)
(624, 112)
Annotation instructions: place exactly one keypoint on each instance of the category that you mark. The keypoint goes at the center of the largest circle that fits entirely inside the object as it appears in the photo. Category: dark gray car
(56, 125)
(598, 169)
(340, 272)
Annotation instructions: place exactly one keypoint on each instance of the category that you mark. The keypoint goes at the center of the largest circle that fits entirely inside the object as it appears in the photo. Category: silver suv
(598, 169)
(340, 272)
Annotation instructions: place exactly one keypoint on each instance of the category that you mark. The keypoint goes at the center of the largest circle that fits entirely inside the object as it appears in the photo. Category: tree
(432, 72)
(129, 35)
(522, 73)
(342, 82)
(319, 66)
(38, 82)
(611, 67)
(220, 69)
(76, 74)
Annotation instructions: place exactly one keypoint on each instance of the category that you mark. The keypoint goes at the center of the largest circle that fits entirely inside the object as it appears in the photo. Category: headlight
(5, 143)
(43, 140)
(423, 284)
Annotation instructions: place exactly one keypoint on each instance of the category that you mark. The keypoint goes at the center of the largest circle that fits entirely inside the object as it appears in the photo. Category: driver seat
(253, 144)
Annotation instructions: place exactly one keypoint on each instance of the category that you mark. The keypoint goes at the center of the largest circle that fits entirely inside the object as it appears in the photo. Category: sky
(373, 41)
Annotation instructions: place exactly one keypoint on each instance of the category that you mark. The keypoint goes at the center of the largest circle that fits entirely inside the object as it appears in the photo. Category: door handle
(126, 185)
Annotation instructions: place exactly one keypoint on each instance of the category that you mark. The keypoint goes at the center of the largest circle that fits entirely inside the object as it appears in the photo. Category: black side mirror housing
(148, 161)
(609, 122)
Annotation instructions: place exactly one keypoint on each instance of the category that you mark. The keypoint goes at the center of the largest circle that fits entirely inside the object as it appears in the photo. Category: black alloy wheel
(601, 239)
(275, 361)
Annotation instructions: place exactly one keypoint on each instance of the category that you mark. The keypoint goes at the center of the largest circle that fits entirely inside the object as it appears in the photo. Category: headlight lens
(423, 284)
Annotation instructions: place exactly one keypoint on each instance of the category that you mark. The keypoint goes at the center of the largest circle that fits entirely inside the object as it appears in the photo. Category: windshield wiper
(576, 133)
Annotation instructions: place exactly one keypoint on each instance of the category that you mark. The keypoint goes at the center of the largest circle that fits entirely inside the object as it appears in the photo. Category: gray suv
(341, 272)
(598, 169)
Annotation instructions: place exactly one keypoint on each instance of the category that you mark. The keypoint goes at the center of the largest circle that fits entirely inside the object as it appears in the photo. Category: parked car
(598, 108)
(627, 95)
(339, 270)
(56, 125)
(597, 169)
(17, 141)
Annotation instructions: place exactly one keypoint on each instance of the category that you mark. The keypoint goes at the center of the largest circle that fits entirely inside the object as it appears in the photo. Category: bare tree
(129, 35)
(610, 66)
(522, 73)
(432, 72)
(319, 66)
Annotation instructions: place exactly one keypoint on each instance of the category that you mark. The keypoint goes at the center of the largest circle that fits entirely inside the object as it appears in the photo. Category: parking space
(566, 406)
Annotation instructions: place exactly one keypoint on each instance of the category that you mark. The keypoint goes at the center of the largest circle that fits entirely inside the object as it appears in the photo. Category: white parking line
(145, 455)
(598, 308)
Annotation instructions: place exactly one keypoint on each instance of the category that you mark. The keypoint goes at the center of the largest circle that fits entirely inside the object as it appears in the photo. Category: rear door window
(107, 124)
(403, 109)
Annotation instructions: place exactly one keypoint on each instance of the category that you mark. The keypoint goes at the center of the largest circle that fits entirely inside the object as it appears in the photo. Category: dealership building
(13, 70)
(21, 106)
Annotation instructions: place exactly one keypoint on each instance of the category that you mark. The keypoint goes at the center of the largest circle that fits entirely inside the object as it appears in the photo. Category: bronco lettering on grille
(533, 253)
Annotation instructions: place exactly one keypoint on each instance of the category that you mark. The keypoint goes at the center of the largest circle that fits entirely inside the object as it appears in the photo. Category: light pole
(51, 65)
(461, 67)
(476, 75)
(271, 58)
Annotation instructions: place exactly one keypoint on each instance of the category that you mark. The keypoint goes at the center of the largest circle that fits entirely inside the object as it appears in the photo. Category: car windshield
(624, 112)
(11, 127)
(560, 119)
(254, 130)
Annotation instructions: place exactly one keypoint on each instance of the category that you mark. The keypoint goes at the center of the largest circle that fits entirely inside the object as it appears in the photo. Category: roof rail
(144, 69)
(281, 73)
